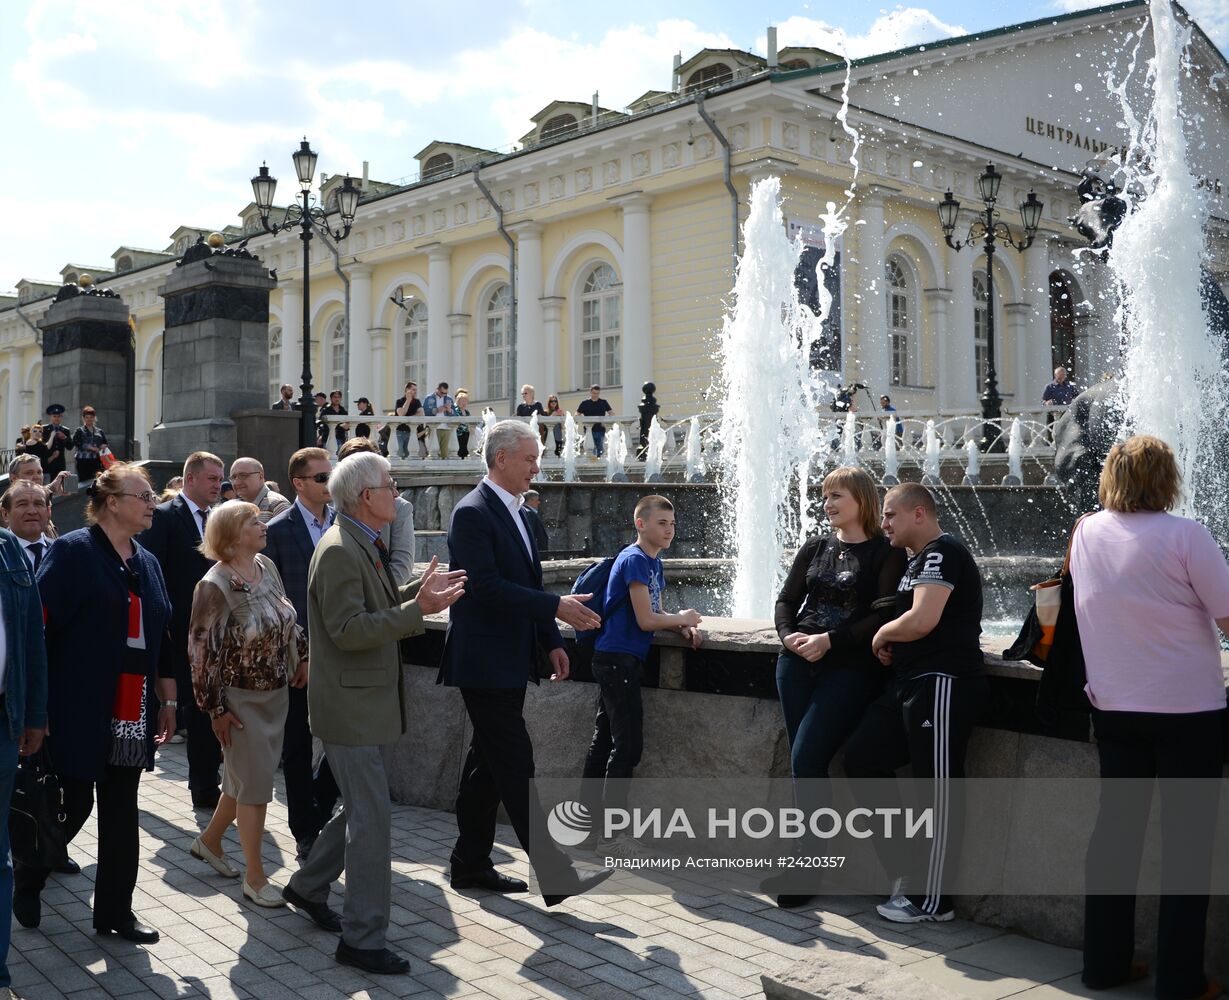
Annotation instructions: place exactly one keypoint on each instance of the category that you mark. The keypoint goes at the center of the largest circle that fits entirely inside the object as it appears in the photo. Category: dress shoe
(218, 862)
(27, 907)
(379, 961)
(304, 847)
(490, 880)
(266, 896)
(320, 914)
(581, 884)
(206, 800)
(69, 867)
(131, 930)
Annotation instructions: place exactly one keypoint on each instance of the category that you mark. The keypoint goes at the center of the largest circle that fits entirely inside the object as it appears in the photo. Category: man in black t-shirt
(937, 692)
(595, 406)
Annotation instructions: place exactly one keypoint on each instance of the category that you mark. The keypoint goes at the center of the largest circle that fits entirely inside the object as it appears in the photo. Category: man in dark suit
(532, 509)
(491, 651)
(290, 540)
(179, 525)
(286, 399)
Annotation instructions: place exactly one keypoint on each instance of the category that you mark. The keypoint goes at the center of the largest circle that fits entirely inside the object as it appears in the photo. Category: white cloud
(1211, 15)
(894, 29)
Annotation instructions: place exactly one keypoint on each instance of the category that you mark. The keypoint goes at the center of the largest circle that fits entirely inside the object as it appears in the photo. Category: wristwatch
(170, 703)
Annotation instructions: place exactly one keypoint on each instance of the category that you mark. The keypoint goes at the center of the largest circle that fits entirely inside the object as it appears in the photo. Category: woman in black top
(840, 589)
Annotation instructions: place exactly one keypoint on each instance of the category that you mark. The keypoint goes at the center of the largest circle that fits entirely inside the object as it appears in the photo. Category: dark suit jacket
(289, 544)
(173, 539)
(496, 629)
(537, 528)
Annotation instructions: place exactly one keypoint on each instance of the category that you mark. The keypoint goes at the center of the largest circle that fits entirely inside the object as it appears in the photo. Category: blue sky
(126, 120)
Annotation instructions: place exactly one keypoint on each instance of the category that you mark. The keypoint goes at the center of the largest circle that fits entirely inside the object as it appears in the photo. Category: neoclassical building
(604, 252)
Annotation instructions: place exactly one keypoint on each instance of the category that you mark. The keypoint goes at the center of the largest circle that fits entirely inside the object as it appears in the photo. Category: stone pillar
(292, 333)
(1036, 352)
(552, 329)
(360, 337)
(145, 403)
(637, 336)
(874, 353)
(938, 301)
(215, 352)
(440, 365)
(964, 391)
(87, 358)
(458, 327)
(1017, 316)
(12, 402)
(530, 352)
(379, 336)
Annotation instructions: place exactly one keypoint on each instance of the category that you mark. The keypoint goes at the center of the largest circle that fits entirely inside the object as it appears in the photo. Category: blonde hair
(859, 485)
(109, 483)
(1140, 473)
(198, 460)
(223, 528)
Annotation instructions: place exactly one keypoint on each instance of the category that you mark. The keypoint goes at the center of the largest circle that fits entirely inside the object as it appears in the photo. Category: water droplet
(1079, 87)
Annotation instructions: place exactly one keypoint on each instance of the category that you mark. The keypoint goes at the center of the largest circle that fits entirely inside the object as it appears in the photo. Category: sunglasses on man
(319, 477)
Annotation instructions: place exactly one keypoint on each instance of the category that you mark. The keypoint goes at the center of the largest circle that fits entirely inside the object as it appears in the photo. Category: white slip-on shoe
(218, 862)
(268, 895)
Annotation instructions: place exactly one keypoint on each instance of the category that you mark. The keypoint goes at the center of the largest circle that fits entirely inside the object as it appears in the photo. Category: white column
(637, 336)
(360, 336)
(874, 352)
(938, 301)
(458, 327)
(530, 349)
(28, 414)
(552, 329)
(380, 398)
(1036, 352)
(292, 332)
(439, 298)
(13, 403)
(963, 390)
(1017, 316)
(144, 408)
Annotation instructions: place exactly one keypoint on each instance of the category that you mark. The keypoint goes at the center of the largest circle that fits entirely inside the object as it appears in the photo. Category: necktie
(386, 561)
(37, 549)
(204, 517)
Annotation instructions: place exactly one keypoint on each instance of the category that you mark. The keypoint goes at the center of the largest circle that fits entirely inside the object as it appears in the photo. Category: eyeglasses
(391, 487)
(319, 477)
(146, 497)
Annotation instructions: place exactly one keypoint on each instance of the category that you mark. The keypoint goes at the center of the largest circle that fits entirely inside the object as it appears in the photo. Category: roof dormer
(805, 57)
(29, 290)
(130, 258)
(716, 67)
(559, 119)
(440, 159)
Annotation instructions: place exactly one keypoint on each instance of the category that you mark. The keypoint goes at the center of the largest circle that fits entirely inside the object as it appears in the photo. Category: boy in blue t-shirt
(634, 611)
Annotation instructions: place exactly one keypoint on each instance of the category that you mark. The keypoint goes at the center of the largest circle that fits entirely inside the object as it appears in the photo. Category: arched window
(440, 163)
(1062, 322)
(124, 264)
(901, 322)
(414, 345)
(275, 364)
(981, 329)
(709, 76)
(795, 64)
(559, 125)
(496, 313)
(601, 322)
(336, 364)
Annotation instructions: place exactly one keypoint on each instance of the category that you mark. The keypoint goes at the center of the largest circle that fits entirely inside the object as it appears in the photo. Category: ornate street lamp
(308, 216)
(989, 229)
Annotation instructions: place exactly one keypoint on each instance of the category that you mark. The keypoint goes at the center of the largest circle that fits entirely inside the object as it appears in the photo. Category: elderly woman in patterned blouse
(245, 645)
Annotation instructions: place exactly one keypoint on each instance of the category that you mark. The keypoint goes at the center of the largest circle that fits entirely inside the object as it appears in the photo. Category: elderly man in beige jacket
(356, 704)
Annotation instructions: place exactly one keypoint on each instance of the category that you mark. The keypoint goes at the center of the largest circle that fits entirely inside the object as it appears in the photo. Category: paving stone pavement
(653, 947)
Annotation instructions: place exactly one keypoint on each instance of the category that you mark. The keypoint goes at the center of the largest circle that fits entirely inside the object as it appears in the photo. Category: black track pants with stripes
(926, 723)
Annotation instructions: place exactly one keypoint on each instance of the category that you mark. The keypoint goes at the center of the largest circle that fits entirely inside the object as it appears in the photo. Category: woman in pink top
(1151, 589)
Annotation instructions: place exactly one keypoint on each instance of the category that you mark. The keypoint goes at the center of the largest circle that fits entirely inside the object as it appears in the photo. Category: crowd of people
(50, 443)
(255, 624)
(392, 437)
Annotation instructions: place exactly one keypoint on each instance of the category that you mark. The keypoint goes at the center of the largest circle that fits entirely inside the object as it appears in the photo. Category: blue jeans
(403, 442)
(599, 442)
(8, 771)
(618, 730)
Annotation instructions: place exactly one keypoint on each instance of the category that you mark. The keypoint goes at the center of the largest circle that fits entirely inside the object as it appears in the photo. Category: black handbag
(36, 815)
(1060, 656)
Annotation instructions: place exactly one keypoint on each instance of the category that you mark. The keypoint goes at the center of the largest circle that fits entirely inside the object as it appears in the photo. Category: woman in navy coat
(111, 692)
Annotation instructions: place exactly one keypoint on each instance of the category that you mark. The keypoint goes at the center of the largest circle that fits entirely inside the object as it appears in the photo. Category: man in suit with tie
(356, 703)
(172, 539)
(495, 634)
(290, 540)
(28, 510)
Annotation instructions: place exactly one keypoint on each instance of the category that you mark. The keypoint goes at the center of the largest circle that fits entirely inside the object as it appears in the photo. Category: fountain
(1015, 455)
(569, 448)
(533, 427)
(891, 462)
(616, 454)
(849, 441)
(695, 457)
(654, 452)
(489, 420)
(972, 468)
(930, 465)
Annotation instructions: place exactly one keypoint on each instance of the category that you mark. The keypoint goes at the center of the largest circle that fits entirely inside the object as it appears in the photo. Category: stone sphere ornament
(215, 240)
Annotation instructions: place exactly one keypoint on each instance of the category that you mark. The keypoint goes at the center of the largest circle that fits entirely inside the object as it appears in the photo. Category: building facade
(608, 254)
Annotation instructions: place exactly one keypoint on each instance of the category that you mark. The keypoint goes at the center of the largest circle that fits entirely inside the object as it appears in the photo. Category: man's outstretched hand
(572, 611)
(437, 590)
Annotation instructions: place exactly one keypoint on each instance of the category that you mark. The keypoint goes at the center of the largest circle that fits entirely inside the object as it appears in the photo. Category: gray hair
(361, 471)
(20, 460)
(504, 436)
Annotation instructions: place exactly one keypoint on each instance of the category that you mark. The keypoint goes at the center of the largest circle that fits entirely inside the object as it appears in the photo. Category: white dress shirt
(196, 515)
(25, 547)
(514, 502)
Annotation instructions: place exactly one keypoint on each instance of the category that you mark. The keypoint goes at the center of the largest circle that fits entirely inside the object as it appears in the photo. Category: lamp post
(989, 229)
(308, 217)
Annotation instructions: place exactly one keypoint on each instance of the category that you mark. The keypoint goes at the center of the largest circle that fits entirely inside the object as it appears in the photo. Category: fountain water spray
(654, 452)
(569, 448)
(695, 457)
(849, 441)
(1015, 455)
(930, 464)
(489, 420)
(891, 463)
(533, 426)
(972, 468)
(616, 454)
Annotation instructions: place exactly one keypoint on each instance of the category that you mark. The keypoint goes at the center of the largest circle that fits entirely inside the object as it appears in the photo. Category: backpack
(594, 579)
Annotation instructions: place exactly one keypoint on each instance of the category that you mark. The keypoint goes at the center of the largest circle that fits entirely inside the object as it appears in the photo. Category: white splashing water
(695, 456)
(654, 455)
(570, 448)
(616, 452)
(1156, 257)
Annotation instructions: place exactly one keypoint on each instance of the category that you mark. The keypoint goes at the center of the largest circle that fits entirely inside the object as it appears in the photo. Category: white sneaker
(181, 736)
(902, 910)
